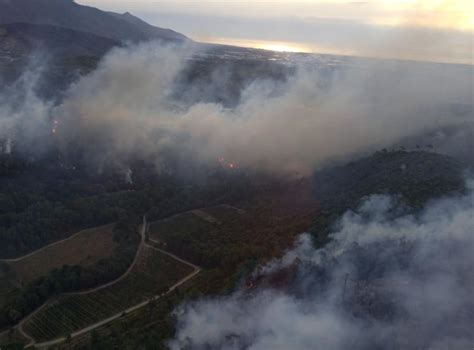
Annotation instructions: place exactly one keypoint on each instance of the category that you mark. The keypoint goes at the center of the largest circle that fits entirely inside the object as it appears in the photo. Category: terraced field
(153, 274)
(83, 248)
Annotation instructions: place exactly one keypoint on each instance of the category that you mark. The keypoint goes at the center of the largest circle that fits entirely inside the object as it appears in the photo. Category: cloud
(383, 282)
(438, 31)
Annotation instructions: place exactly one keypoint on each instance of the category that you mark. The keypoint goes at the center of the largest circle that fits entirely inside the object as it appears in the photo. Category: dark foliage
(413, 176)
(74, 278)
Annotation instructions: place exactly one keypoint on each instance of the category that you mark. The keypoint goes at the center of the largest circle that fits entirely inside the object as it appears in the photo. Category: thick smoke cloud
(387, 280)
(128, 108)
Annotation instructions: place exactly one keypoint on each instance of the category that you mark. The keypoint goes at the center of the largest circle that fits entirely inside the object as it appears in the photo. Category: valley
(162, 193)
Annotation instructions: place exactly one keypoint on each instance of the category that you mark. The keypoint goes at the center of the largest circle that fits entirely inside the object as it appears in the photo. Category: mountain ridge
(71, 15)
(20, 39)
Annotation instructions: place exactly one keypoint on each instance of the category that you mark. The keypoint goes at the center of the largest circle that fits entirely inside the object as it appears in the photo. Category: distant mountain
(148, 29)
(68, 14)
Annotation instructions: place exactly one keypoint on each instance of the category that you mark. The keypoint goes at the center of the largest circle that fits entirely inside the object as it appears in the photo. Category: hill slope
(68, 14)
(64, 55)
(415, 177)
(148, 29)
(19, 39)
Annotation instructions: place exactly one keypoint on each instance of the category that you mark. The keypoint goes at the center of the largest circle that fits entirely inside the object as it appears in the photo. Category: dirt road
(143, 244)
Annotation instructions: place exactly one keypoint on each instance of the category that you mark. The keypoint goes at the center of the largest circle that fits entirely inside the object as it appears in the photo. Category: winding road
(32, 342)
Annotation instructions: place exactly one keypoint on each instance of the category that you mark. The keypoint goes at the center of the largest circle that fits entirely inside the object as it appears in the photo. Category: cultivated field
(187, 222)
(224, 236)
(12, 336)
(202, 236)
(154, 273)
(225, 213)
(8, 283)
(84, 248)
(193, 222)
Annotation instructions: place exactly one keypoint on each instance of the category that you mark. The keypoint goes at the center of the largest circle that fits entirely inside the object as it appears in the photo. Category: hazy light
(278, 46)
(450, 14)
(454, 14)
(427, 30)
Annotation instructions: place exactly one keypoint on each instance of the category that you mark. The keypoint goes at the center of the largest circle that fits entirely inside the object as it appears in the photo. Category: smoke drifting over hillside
(386, 281)
(24, 117)
(126, 108)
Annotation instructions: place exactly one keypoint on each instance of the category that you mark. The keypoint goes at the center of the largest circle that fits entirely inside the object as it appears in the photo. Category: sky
(432, 30)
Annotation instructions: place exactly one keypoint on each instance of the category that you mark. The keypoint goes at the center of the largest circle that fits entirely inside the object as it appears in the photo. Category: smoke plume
(128, 108)
(125, 108)
(387, 280)
(24, 117)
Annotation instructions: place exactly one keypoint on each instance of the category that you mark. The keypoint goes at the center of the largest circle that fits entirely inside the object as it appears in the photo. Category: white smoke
(128, 176)
(128, 108)
(24, 117)
(6, 146)
(125, 108)
(409, 286)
